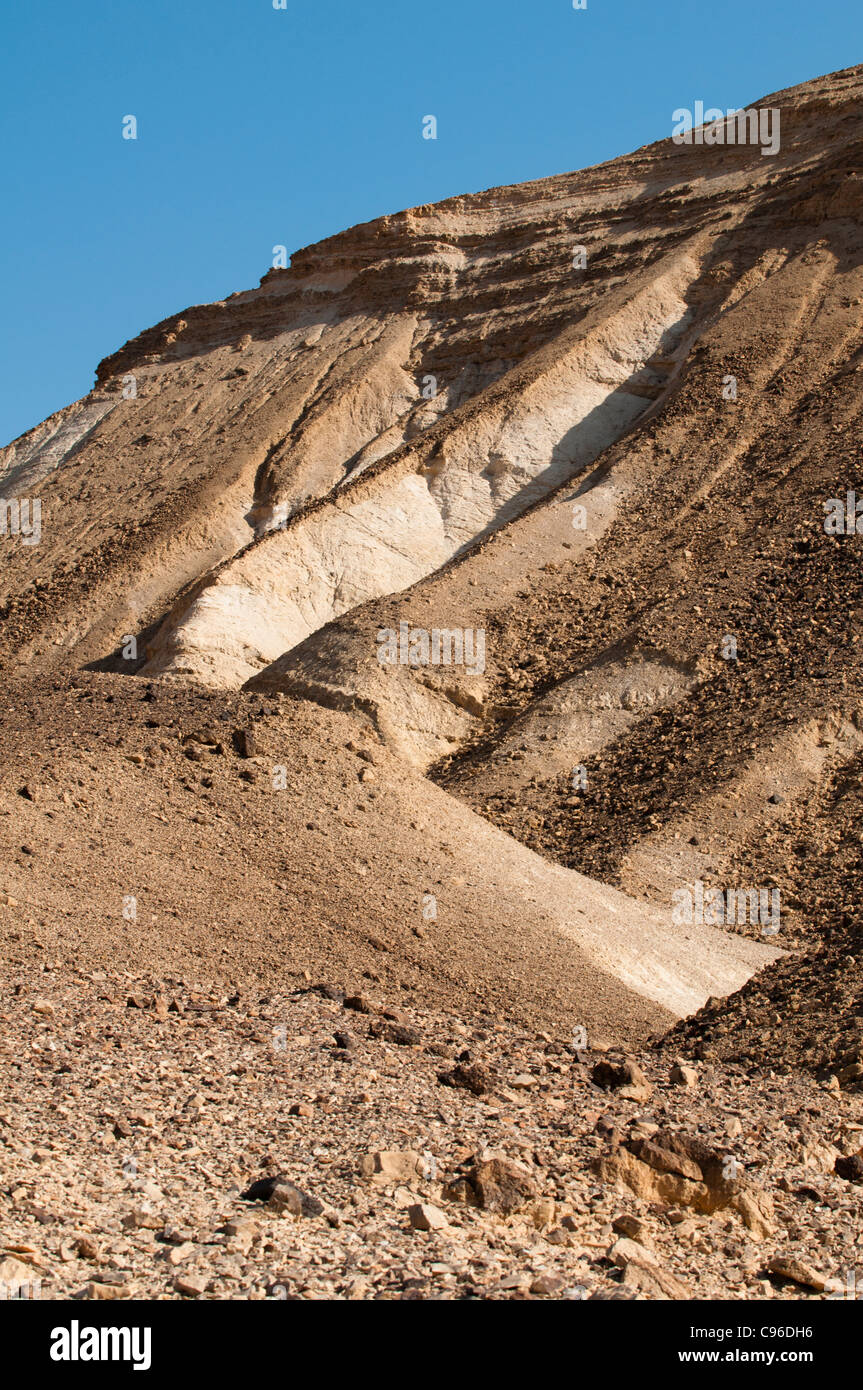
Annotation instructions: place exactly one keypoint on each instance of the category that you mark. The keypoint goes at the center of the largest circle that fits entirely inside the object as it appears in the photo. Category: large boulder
(681, 1169)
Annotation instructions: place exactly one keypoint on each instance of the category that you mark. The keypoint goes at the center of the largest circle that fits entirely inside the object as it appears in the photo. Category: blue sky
(259, 127)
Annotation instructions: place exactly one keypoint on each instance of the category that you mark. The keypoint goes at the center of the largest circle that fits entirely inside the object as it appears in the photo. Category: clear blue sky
(259, 127)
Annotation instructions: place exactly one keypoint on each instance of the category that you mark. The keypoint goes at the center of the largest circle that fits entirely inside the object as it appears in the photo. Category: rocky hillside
(423, 629)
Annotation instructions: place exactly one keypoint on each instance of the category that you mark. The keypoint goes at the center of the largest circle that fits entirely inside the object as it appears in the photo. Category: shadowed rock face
(609, 474)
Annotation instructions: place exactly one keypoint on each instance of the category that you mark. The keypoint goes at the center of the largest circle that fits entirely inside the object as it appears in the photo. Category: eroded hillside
(414, 629)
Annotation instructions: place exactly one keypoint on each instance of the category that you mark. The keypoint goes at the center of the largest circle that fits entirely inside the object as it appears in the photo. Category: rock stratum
(564, 452)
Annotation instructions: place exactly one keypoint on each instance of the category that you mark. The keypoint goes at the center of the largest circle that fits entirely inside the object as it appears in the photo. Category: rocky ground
(409, 1155)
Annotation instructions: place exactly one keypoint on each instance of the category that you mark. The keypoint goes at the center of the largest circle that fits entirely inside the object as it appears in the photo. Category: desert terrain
(433, 670)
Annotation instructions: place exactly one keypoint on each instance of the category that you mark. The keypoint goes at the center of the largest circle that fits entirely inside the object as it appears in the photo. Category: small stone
(207, 736)
(359, 1003)
(287, 1197)
(821, 1158)
(178, 1253)
(497, 1185)
(391, 1165)
(400, 1034)
(851, 1168)
(654, 1282)
(642, 1271)
(626, 1249)
(625, 1077)
(281, 1195)
(245, 743)
(328, 991)
(634, 1227)
(789, 1267)
(193, 1285)
(756, 1210)
(523, 1082)
(559, 1236)
(682, 1075)
(241, 1226)
(547, 1285)
(425, 1217)
(543, 1212)
(475, 1078)
(143, 1218)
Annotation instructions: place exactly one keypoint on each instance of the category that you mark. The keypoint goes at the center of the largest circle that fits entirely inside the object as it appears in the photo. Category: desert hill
(591, 427)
